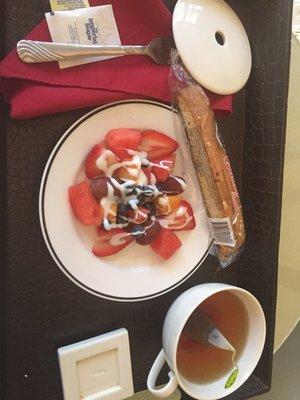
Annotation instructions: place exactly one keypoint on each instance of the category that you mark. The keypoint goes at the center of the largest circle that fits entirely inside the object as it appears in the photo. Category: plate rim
(43, 224)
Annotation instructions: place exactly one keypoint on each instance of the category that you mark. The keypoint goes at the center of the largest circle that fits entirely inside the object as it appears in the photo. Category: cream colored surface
(288, 300)
(296, 19)
(286, 367)
(146, 395)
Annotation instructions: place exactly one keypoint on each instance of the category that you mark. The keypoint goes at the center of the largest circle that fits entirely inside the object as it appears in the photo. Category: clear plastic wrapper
(211, 164)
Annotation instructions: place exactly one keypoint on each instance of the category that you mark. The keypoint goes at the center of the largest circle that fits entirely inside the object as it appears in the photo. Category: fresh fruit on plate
(135, 174)
(124, 175)
(122, 141)
(131, 194)
(112, 213)
(167, 204)
(180, 220)
(122, 213)
(84, 205)
(151, 207)
(173, 185)
(163, 167)
(149, 232)
(101, 186)
(151, 180)
(166, 243)
(111, 242)
(138, 216)
(157, 144)
(107, 160)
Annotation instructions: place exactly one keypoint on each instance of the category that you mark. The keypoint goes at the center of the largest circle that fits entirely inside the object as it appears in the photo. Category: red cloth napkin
(40, 89)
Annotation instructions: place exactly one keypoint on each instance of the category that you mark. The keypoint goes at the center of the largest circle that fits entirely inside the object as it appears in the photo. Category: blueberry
(138, 231)
(151, 207)
(142, 198)
(160, 189)
(146, 190)
(133, 191)
(122, 213)
(122, 209)
(122, 219)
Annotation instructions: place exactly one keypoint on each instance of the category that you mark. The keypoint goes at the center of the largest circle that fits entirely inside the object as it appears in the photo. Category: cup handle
(170, 387)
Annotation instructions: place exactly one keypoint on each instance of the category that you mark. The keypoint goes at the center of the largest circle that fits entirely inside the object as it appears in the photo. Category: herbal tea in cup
(213, 337)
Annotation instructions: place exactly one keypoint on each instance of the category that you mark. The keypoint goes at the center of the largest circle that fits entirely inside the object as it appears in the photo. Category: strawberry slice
(157, 144)
(163, 167)
(119, 141)
(166, 243)
(138, 216)
(84, 205)
(91, 168)
(111, 242)
(181, 220)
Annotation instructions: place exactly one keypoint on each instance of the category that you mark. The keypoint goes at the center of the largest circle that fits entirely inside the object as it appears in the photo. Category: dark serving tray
(45, 310)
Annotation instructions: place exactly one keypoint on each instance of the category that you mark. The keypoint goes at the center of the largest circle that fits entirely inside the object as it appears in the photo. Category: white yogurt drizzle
(138, 214)
(142, 179)
(164, 202)
(181, 182)
(101, 163)
(153, 219)
(107, 225)
(134, 203)
(142, 157)
(170, 220)
(134, 168)
(107, 201)
(139, 159)
(152, 179)
(119, 238)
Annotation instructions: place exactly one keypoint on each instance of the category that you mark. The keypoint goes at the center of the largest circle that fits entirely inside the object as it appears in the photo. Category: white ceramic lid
(222, 67)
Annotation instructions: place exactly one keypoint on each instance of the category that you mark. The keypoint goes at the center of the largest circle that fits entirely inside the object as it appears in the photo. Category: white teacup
(175, 320)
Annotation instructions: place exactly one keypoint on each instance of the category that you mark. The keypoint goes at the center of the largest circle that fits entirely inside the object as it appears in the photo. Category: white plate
(137, 272)
(221, 68)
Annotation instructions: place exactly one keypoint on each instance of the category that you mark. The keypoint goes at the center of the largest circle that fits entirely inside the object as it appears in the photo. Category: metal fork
(31, 51)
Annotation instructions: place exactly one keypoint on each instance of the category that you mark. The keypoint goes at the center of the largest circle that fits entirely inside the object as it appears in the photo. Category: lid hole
(220, 38)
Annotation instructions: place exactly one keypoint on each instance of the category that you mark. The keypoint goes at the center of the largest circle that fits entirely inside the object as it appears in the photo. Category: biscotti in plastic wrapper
(211, 164)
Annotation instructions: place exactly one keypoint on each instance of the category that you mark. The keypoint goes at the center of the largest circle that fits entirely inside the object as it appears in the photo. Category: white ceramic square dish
(98, 368)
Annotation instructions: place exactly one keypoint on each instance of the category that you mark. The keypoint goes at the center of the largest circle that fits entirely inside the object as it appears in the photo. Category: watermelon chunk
(166, 243)
(84, 205)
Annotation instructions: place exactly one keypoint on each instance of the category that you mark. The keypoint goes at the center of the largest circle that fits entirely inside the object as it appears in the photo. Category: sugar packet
(61, 5)
(92, 25)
